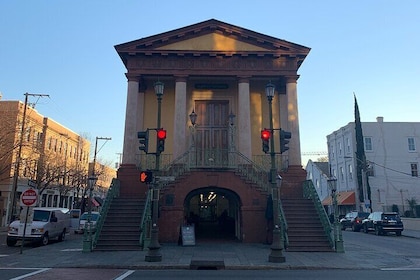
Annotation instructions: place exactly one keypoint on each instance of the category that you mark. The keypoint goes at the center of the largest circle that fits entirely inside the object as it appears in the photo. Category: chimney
(380, 119)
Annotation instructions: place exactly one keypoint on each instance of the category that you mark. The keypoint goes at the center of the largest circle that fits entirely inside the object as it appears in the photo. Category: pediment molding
(211, 38)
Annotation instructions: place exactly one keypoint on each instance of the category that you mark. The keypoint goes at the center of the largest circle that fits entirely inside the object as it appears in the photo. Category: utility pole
(87, 232)
(19, 158)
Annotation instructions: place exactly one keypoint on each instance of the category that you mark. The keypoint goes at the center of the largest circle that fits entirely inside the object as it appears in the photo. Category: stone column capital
(243, 79)
(181, 78)
(132, 77)
(291, 79)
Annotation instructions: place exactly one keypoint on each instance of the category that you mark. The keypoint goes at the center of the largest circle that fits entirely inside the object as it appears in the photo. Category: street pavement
(68, 254)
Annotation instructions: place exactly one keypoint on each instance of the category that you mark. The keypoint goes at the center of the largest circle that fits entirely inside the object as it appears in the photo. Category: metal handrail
(285, 227)
(146, 222)
(114, 191)
(309, 192)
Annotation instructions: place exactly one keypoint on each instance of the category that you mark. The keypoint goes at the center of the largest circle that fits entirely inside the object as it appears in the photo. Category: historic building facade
(51, 157)
(392, 164)
(213, 108)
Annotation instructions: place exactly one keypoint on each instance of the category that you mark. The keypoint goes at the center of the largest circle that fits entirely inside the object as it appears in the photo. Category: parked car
(44, 224)
(84, 219)
(383, 222)
(353, 220)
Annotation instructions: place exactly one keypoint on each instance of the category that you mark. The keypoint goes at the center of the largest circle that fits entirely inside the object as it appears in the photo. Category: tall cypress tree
(360, 156)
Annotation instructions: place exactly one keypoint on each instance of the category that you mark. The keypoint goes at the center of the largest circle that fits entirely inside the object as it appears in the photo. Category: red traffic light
(161, 134)
(265, 134)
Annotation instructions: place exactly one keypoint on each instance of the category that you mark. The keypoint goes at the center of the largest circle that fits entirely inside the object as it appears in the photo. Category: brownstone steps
(121, 229)
(305, 230)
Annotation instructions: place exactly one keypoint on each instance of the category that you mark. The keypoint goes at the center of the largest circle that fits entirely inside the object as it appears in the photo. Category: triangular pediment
(213, 42)
(212, 36)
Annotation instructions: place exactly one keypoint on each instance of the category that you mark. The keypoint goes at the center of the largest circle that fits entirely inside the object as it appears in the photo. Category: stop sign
(29, 197)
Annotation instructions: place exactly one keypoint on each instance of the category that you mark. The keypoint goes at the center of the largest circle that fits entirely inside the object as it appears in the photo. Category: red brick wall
(252, 201)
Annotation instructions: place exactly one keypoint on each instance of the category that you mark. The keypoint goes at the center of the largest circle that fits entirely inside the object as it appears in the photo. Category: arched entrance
(215, 212)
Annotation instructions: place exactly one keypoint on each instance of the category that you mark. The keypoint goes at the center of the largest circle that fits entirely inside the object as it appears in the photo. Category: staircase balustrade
(146, 223)
(114, 191)
(309, 192)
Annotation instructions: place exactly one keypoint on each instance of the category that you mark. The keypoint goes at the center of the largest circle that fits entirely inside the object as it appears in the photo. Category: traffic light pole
(276, 253)
(154, 254)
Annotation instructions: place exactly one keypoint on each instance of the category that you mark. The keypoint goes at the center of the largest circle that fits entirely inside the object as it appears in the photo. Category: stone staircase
(305, 230)
(121, 229)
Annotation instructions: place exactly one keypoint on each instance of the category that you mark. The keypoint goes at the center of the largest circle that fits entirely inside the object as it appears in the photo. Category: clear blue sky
(66, 49)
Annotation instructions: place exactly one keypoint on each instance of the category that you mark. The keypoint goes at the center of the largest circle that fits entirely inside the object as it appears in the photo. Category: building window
(370, 171)
(414, 170)
(368, 144)
(341, 173)
(350, 172)
(339, 148)
(411, 144)
(348, 145)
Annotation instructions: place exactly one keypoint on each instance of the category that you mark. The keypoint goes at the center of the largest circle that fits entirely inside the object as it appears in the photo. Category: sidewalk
(68, 254)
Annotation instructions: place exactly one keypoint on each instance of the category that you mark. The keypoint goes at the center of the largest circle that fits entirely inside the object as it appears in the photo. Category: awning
(343, 198)
(95, 203)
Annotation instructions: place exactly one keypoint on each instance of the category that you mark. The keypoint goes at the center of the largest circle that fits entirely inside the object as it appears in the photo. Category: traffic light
(146, 176)
(284, 140)
(161, 136)
(143, 137)
(265, 136)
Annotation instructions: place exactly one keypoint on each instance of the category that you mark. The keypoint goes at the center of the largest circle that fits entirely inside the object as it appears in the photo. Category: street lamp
(338, 238)
(276, 253)
(154, 254)
(87, 232)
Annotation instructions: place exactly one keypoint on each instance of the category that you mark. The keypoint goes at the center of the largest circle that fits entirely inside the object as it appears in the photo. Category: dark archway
(215, 212)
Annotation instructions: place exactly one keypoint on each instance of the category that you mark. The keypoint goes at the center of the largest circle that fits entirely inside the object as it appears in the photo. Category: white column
(244, 118)
(293, 121)
(133, 116)
(180, 117)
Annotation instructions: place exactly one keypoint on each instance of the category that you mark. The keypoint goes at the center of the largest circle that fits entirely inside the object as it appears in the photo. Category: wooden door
(212, 133)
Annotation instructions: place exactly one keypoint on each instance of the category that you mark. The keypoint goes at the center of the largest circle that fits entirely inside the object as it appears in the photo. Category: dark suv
(353, 220)
(383, 222)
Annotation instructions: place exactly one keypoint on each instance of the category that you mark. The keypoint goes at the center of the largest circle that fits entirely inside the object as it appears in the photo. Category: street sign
(31, 183)
(165, 178)
(29, 197)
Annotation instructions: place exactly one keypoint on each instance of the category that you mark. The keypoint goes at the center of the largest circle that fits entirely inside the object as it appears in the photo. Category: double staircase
(121, 230)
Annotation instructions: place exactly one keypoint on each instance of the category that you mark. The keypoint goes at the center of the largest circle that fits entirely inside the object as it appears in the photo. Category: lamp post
(87, 232)
(154, 254)
(276, 253)
(338, 238)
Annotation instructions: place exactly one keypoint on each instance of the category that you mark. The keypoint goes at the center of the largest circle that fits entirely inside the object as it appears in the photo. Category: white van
(44, 223)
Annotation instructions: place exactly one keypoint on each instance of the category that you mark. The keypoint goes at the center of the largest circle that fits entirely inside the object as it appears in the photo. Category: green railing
(114, 191)
(284, 225)
(146, 224)
(309, 192)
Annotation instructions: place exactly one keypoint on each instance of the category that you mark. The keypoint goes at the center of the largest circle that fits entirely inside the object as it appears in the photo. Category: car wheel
(398, 233)
(354, 228)
(365, 229)
(62, 235)
(11, 242)
(45, 239)
(377, 231)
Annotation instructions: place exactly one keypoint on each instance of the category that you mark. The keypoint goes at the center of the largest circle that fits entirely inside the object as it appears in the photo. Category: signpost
(28, 199)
